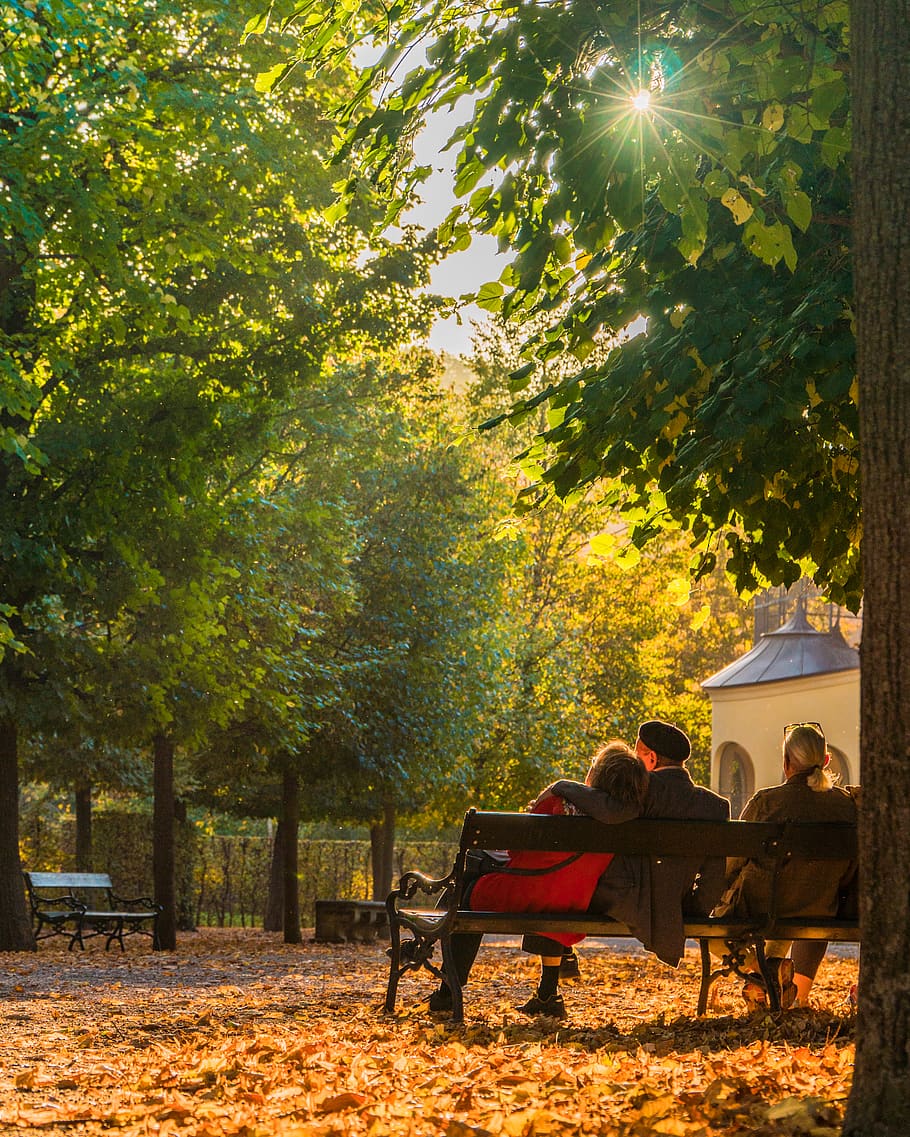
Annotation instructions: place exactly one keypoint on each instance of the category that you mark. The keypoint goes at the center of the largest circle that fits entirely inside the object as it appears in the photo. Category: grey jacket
(652, 895)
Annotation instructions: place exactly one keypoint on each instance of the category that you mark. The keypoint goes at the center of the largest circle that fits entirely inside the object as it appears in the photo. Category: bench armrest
(140, 901)
(411, 883)
(43, 903)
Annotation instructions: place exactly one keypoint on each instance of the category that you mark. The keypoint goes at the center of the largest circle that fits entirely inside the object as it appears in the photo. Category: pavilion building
(794, 673)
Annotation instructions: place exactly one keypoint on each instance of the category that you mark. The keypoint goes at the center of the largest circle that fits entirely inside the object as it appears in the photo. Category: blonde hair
(805, 748)
(617, 771)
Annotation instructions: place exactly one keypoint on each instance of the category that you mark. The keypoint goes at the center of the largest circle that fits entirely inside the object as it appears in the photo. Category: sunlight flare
(641, 100)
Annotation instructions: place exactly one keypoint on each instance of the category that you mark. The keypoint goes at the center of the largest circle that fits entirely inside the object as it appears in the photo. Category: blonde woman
(805, 888)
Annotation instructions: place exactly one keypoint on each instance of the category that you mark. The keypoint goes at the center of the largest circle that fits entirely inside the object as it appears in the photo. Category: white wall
(755, 716)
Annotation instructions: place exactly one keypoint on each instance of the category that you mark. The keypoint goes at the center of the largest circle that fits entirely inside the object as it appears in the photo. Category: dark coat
(652, 895)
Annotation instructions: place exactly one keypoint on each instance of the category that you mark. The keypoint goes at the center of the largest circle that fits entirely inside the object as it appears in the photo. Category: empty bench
(350, 921)
(81, 905)
(435, 919)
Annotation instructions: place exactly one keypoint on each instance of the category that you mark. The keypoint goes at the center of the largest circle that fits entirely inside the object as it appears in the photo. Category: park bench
(438, 918)
(83, 904)
(350, 921)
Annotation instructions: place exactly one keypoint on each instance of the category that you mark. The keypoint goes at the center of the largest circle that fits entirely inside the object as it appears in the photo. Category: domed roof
(793, 651)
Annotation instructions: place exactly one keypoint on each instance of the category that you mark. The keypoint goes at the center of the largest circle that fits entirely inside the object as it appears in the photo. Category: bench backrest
(659, 837)
(93, 888)
(63, 880)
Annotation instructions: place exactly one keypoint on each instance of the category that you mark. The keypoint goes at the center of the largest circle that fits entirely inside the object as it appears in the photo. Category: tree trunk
(163, 842)
(382, 850)
(273, 921)
(83, 796)
(290, 818)
(879, 1104)
(15, 926)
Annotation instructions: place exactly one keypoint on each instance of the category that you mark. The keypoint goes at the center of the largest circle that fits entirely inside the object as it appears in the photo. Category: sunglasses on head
(814, 725)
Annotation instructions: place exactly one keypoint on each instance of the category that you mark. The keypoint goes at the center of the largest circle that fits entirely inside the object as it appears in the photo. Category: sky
(461, 272)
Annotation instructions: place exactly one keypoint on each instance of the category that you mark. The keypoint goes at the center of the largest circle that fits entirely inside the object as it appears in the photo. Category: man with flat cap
(652, 895)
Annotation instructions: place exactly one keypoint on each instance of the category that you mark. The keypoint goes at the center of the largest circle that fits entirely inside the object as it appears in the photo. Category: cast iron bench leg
(706, 978)
(116, 934)
(394, 963)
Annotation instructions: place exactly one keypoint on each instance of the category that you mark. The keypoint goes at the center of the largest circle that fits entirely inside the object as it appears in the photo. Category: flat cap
(666, 740)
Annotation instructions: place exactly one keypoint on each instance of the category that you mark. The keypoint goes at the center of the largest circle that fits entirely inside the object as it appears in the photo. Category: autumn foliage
(239, 1034)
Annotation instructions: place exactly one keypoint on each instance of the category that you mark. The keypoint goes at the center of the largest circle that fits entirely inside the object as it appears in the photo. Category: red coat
(568, 889)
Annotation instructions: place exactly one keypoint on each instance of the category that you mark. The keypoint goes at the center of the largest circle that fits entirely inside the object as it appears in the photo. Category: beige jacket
(805, 888)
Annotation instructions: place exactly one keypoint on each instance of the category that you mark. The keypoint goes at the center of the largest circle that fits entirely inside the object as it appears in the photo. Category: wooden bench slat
(656, 837)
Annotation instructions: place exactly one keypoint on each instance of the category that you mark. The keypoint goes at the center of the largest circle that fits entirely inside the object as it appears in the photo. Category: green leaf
(489, 296)
(257, 25)
(268, 80)
(741, 209)
(799, 208)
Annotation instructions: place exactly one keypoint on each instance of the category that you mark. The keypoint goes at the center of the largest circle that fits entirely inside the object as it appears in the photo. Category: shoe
(786, 986)
(553, 1006)
(441, 1000)
(754, 994)
(568, 966)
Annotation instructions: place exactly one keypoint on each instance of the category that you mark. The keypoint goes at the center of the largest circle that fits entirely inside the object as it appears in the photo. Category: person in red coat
(557, 885)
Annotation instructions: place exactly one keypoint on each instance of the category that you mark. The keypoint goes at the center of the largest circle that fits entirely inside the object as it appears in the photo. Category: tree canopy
(686, 162)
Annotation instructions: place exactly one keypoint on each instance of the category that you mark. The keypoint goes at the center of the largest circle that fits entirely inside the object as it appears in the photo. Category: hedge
(220, 880)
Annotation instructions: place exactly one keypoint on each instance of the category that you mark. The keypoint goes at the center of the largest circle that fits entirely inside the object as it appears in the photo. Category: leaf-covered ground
(238, 1034)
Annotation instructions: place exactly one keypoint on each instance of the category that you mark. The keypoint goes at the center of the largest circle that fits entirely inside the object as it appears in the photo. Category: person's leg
(465, 946)
(807, 957)
(780, 966)
(547, 1000)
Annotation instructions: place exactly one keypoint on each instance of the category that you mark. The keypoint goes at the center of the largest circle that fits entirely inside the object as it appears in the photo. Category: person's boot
(552, 1005)
(754, 993)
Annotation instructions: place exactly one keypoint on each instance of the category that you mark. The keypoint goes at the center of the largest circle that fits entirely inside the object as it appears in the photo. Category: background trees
(252, 554)
(666, 164)
(170, 305)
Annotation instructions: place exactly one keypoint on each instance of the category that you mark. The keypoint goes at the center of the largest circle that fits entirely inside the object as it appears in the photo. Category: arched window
(736, 778)
(839, 765)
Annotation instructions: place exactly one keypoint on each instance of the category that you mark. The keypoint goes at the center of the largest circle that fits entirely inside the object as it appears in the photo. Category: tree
(643, 159)
(880, 1101)
(426, 587)
(598, 642)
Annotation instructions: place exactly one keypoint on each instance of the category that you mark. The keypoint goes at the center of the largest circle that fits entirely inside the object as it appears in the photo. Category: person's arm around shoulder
(593, 803)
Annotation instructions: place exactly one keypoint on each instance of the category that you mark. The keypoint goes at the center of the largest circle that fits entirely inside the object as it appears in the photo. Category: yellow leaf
(658, 1107)
(700, 617)
(602, 544)
(673, 1126)
(773, 117)
(737, 204)
(342, 1101)
(628, 557)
